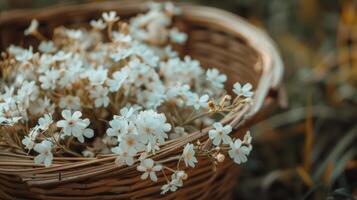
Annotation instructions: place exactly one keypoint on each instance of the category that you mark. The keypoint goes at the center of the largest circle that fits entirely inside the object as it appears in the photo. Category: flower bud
(220, 157)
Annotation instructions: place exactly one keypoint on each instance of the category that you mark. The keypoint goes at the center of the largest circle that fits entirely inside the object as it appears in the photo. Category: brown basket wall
(216, 38)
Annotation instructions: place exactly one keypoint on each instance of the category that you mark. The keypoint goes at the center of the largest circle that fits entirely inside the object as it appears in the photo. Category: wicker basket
(216, 38)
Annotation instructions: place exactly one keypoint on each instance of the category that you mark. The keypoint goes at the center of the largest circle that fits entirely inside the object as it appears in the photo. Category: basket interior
(210, 44)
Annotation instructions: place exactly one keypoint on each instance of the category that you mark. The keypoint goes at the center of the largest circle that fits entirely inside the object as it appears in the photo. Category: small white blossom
(9, 121)
(45, 122)
(70, 102)
(100, 96)
(122, 38)
(189, 155)
(216, 79)
(73, 125)
(116, 127)
(238, 152)
(49, 79)
(110, 17)
(45, 155)
(74, 34)
(98, 76)
(178, 177)
(198, 102)
(47, 46)
(244, 91)
(61, 56)
(147, 166)
(118, 79)
(124, 156)
(88, 154)
(178, 37)
(171, 186)
(176, 182)
(131, 143)
(98, 24)
(152, 126)
(247, 140)
(29, 141)
(24, 55)
(32, 28)
(178, 132)
(43, 106)
(129, 112)
(220, 134)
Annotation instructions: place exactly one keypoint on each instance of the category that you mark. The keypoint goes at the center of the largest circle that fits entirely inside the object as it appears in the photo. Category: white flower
(73, 125)
(116, 127)
(238, 152)
(25, 55)
(121, 53)
(47, 46)
(45, 155)
(118, 78)
(216, 79)
(45, 122)
(243, 91)
(74, 34)
(178, 177)
(42, 106)
(88, 154)
(171, 8)
(32, 28)
(29, 141)
(198, 102)
(189, 155)
(129, 112)
(100, 95)
(49, 80)
(220, 157)
(61, 56)
(152, 126)
(70, 102)
(28, 92)
(177, 36)
(124, 156)
(131, 143)
(110, 17)
(98, 76)
(220, 134)
(147, 166)
(171, 186)
(122, 38)
(9, 121)
(176, 182)
(247, 140)
(178, 132)
(98, 24)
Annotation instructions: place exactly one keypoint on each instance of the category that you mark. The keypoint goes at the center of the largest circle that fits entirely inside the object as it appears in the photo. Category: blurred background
(308, 149)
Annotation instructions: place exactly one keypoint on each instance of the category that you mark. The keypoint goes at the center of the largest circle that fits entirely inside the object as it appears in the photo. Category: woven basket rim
(270, 79)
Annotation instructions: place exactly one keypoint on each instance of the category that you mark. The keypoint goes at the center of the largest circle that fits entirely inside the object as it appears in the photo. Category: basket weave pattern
(217, 39)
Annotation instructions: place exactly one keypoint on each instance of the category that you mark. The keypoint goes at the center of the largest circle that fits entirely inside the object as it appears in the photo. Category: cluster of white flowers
(137, 132)
(123, 91)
